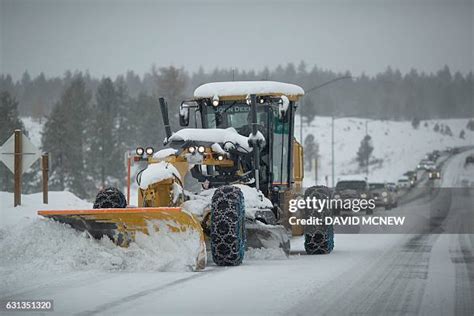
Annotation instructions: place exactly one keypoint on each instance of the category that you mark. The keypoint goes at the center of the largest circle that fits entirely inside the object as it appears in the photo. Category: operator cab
(225, 105)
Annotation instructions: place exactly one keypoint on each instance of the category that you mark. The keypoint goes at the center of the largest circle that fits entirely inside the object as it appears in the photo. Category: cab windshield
(276, 132)
(236, 115)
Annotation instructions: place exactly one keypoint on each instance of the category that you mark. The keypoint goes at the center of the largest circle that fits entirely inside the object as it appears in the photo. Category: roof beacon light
(215, 100)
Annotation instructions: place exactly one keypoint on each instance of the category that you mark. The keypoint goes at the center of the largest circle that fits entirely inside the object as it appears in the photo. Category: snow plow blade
(122, 224)
(260, 235)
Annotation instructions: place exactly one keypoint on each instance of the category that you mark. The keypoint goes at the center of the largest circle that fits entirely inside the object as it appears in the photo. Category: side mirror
(184, 112)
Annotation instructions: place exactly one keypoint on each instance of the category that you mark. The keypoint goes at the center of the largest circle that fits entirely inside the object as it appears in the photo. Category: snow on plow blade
(260, 235)
(122, 224)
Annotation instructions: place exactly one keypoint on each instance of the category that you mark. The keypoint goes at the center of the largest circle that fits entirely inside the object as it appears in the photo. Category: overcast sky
(111, 37)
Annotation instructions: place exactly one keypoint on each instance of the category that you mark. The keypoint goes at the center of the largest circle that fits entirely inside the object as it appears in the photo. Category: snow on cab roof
(243, 88)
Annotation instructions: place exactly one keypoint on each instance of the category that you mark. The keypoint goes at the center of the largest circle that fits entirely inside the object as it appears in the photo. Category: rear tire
(227, 233)
(320, 238)
(110, 197)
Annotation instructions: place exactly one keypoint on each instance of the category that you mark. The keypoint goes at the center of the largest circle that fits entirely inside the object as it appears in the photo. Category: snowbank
(31, 246)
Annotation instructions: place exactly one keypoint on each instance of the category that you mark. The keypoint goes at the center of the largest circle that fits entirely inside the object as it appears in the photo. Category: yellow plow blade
(122, 224)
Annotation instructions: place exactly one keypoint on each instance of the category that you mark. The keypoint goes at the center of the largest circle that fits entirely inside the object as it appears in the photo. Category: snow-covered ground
(396, 142)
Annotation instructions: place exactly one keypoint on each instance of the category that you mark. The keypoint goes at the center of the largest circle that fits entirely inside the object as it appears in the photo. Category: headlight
(201, 149)
(149, 151)
(363, 195)
(337, 196)
(139, 151)
(220, 157)
(384, 194)
(192, 149)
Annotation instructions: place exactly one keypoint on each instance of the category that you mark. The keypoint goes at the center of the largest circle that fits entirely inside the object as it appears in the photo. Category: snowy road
(369, 274)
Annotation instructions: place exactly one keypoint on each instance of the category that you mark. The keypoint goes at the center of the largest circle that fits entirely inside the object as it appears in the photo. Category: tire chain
(318, 239)
(227, 218)
(110, 197)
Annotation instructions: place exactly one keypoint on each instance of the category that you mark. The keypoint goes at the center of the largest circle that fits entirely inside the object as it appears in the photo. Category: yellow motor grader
(243, 152)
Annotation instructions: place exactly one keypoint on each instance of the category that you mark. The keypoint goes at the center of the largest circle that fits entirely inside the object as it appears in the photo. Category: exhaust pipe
(166, 119)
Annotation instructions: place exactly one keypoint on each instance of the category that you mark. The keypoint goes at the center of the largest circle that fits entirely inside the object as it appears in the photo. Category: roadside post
(45, 177)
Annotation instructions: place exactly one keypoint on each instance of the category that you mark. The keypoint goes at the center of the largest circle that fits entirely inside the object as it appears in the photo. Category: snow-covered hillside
(396, 142)
(34, 128)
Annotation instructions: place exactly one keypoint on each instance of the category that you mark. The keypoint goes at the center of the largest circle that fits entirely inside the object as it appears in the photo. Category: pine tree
(365, 150)
(9, 121)
(308, 110)
(415, 123)
(104, 162)
(64, 137)
(311, 151)
(470, 125)
(171, 83)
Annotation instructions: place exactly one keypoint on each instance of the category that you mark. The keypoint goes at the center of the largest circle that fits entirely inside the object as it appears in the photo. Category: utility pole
(45, 177)
(332, 150)
(368, 158)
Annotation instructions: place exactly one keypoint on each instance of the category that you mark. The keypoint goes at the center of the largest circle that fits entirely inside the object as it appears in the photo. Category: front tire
(319, 239)
(227, 233)
(110, 197)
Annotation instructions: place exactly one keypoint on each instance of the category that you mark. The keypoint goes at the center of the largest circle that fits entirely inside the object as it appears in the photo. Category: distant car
(383, 195)
(432, 156)
(430, 165)
(352, 189)
(469, 160)
(434, 174)
(392, 186)
(421, 165)
(412, 175)
(404, 183)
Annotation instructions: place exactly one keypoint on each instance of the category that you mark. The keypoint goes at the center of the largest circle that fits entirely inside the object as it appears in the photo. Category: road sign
(29, 153)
